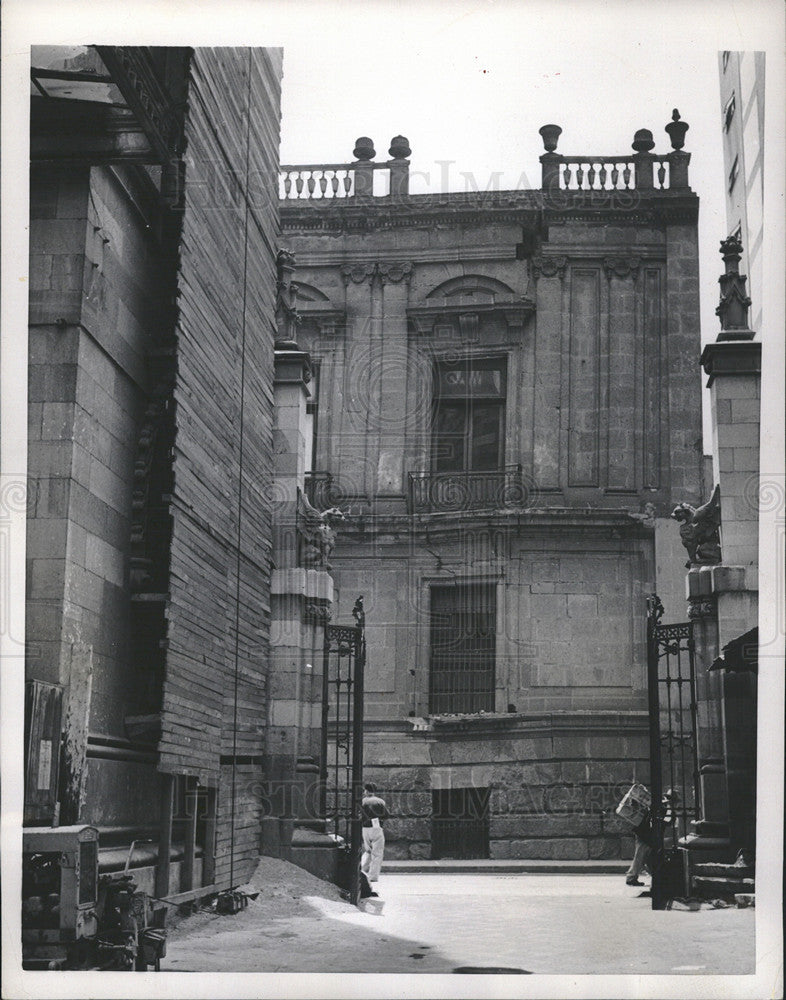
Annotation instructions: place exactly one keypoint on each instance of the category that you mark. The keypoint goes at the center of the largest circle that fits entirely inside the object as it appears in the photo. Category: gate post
(654, 613)
(357, 750)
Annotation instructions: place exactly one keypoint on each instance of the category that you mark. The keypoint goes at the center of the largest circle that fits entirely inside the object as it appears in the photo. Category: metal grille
(446, 491)
(463, 641)
(342, 718)
(88, 871)
(674, 762)
(460, 823)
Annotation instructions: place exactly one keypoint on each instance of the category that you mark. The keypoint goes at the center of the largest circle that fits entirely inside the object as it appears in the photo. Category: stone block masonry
(551, 795)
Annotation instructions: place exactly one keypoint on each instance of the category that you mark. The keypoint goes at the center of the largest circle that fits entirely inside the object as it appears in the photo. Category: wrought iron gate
(674, 761)
(341, 765)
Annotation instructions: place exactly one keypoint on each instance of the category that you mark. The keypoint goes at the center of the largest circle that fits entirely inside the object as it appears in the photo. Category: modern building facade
(742, 110)
(507, 410)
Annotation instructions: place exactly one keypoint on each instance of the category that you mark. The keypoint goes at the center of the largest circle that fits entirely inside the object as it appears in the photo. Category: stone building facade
(152, 480)
(506, 407)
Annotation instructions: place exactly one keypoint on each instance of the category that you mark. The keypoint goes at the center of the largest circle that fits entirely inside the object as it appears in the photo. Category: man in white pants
(374, 813)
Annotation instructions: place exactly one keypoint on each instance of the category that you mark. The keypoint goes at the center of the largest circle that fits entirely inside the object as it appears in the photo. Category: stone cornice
(426, 317)
(731, 357)
(512, 723)
(524, 208)
(545, 519)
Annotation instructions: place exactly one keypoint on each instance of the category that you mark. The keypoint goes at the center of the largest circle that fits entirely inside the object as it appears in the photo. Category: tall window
(312, 418)
(463, 648)
(469, 415)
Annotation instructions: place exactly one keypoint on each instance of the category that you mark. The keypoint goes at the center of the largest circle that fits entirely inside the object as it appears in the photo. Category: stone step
(477, 866)
(709, 888)
(718, 870)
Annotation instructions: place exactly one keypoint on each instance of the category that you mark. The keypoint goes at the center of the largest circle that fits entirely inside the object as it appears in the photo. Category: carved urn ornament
(643, 141)
(364, 148)
(399, 147)
(677, 129)
(550, 135)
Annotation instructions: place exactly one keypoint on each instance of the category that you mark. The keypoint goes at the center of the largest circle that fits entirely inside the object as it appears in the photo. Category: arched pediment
(470, 289)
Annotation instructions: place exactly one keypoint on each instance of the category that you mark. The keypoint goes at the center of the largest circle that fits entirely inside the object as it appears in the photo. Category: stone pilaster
(301, 596)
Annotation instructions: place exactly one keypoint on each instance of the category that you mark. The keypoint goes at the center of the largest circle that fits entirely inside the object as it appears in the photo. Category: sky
(470, 86)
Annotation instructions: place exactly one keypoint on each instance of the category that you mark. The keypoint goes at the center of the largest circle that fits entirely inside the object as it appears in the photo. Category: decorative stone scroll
(357, 273)
(703, 607)
(621, 266)
(393, 272)
(316, 612)
(548, 266)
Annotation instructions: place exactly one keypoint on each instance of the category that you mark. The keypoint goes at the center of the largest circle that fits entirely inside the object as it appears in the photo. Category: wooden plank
(43, 724)
(189, 838)
(165, 835)
(209, 849)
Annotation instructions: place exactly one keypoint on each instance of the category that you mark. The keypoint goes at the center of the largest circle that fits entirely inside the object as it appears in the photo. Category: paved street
(548, 924)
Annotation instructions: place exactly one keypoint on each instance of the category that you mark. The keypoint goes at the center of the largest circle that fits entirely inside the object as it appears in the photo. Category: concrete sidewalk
(444, 923)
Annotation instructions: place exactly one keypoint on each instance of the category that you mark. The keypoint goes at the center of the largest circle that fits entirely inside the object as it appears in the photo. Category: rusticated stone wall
(554, 782)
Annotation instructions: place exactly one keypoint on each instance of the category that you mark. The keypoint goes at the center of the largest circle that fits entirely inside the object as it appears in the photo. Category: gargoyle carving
(699, 530)
(318, 534)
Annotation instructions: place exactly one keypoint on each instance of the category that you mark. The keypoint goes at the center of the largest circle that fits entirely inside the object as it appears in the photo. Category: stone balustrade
(642, 170)
(304, 181)
(334, 181)
(639, 171)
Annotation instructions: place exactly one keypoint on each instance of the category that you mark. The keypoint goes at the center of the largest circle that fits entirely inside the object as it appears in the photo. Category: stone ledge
(314, 583)
(727, 579)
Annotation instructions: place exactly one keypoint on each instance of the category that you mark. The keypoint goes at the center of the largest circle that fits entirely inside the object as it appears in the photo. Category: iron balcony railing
(431, 492)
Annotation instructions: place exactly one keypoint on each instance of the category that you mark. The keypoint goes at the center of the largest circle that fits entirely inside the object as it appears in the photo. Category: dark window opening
(469, 415)
(463, 648)
(460, 823)
(728, 112)
(733, 173)
(312, 418)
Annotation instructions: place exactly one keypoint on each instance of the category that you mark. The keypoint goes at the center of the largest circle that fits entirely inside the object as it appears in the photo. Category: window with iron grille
(460, 823)
(463, 648)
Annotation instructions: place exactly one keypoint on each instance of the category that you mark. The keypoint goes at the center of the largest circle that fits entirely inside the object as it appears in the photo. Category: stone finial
(676, 130)
(399, 147)
(364, 148)
(734, 301)
(550, 135)
(731, 251)
(643, 141)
